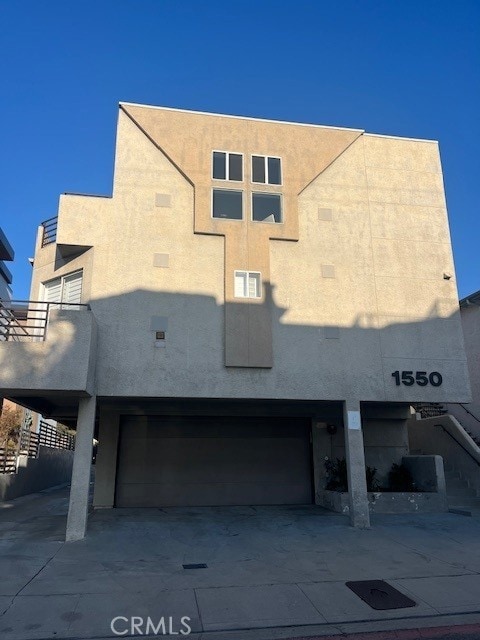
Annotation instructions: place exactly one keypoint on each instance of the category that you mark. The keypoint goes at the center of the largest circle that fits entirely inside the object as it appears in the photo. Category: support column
(82, 464)
(106, 463)
(355, 456)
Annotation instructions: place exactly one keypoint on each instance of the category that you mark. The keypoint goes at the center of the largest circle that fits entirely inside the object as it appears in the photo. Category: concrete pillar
(106, 463)
(82, 464)
(355, 456)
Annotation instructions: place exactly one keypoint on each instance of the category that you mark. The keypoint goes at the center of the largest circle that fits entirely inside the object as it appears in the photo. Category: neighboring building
(6, 253)
(469, 415)
(255, 295)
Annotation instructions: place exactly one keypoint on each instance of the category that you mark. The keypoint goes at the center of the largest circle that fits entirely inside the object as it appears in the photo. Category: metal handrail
(459, 444)
(49, 230)
(28, 319)
(469, 412)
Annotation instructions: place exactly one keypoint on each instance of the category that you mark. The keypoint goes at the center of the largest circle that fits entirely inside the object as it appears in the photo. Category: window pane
(267, 207)
(219, 165)
(240, 284)
(227, 204)
(258, 169)
(274, 173)
(235, 166)
(254, 285)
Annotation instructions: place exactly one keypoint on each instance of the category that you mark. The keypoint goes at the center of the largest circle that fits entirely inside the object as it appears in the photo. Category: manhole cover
(194, 566)
(378, 594)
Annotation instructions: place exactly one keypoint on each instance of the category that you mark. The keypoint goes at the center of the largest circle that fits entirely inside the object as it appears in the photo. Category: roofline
(383, 135)
(225, 115)
(297, 124)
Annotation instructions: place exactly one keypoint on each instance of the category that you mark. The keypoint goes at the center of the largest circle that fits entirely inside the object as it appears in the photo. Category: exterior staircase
(462, 498)
(434, 409)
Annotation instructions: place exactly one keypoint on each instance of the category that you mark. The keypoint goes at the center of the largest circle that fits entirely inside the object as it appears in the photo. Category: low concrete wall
(427, 472)
(52, 467)
(445, 436)
(389, 502)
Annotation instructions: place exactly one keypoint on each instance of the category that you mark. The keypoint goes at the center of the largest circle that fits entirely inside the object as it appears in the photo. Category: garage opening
(213, 461)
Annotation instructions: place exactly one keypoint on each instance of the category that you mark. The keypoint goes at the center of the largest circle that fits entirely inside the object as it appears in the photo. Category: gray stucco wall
(52, 467)
(64, 361)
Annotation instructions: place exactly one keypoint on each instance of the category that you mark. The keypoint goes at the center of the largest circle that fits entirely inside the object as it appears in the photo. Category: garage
(213, 461)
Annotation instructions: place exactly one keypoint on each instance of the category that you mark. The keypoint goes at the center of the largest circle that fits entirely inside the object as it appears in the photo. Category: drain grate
(194, 566)
(378, 594)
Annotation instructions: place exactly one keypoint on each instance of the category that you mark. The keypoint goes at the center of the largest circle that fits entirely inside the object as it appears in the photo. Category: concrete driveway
(271, 571)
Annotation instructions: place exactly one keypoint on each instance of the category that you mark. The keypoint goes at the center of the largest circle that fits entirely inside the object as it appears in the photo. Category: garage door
(176, 461)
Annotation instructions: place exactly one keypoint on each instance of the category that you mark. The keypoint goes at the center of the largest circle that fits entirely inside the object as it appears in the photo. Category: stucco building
(253, 297)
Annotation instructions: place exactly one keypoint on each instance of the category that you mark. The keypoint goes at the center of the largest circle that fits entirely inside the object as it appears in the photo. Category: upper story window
(227, 166)
(227, 203)
(248, 284)
(67, 289)
(266, 170)
(266, 207)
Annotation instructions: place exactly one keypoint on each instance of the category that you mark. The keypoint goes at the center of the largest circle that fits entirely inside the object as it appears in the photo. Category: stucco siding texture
(386, 249)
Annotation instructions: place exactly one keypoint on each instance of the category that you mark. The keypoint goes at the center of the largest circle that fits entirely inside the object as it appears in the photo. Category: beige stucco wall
(387, 241)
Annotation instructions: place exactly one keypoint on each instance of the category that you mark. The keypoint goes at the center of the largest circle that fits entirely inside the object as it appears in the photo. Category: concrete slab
(267, 567)
(31, 617)
(5, 602)
(16, 572)
(247, 607)
(450, 593)
(69, 578)
(94, 616)
(338, 603)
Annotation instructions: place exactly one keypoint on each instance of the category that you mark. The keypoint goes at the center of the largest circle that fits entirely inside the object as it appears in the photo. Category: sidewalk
(272, 572)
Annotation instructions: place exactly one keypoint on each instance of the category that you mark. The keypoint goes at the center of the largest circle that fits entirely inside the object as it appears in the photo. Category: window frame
(265, 162)
(242, 191)
(62, 279)
(248, 274)
(227, 166)
(268, 193)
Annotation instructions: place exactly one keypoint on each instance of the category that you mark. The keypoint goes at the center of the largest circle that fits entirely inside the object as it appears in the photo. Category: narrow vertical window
(219, 165)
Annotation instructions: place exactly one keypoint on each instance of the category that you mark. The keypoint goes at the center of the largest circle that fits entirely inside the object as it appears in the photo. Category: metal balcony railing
(27, 320)
(49, 231)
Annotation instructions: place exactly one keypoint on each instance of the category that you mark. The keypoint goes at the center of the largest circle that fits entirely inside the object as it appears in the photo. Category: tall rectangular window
(248, 284)
(266, 170)
(227, 166)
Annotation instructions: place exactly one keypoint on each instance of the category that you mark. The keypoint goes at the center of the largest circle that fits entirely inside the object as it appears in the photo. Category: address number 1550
(422, 378)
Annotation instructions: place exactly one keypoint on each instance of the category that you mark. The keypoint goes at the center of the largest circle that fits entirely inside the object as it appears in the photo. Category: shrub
(400, 479)
(337, 479)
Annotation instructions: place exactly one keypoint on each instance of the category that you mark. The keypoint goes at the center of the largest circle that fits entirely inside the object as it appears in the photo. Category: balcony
(49, 231)
(46, 348)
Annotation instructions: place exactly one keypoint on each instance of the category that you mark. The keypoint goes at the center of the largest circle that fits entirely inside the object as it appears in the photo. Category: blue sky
(406, 68)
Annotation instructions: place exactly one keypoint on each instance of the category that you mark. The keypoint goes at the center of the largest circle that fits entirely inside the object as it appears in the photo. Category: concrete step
(463, 502)
(458, 487)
